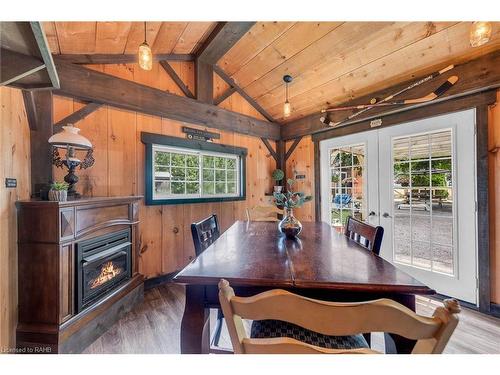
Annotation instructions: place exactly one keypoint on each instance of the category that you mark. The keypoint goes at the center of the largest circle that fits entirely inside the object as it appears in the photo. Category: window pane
(178, 174)
(220, 175)
(441, 144)
(419, 147)
(192, 174)
(441, 172)
(220, 162)
(208, 175)
(421, 254)
(192, 188)
(400, 149)
(162, 188)
(231, 164)
(443, 259)
(162, 158)
(208, 188)
(402, 251)
(231, 188)
(231, 175)
(220, 187)
(208, 161)
(192, 161)
(178, 160)
(178, 188)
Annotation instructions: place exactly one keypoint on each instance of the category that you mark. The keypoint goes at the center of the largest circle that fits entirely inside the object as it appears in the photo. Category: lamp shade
(70, 137)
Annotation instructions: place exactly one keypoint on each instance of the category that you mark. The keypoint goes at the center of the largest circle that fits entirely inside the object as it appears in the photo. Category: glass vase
(290, 226)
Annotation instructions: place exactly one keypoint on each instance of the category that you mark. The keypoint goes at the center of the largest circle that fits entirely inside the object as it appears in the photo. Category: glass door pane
(423, 201)
(347, 184)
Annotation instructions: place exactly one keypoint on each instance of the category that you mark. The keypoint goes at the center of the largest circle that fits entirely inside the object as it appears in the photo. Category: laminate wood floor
(154, 327)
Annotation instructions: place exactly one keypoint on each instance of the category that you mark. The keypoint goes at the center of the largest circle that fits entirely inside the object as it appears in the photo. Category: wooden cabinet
(48, 237)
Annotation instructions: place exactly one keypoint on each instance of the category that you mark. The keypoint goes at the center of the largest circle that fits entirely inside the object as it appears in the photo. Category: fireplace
(103, 263)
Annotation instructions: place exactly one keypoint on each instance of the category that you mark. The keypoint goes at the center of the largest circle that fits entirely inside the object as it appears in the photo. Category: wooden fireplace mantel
(48, 234)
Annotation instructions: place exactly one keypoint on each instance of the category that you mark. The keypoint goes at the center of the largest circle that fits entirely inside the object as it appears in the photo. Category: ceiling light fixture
(287, 108)
(145, 54)
(480, 33)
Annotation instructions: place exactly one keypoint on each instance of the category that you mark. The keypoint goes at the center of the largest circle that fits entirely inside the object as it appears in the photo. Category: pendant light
(480, 33)
(287, 108)
(145, 54)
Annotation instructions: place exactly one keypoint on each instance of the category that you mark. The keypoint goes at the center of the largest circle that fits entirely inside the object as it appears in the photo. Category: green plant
(59, 186)
(291, 199)
(278, 175)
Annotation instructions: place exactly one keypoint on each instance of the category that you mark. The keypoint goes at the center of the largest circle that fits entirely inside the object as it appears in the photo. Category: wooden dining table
(321, 263)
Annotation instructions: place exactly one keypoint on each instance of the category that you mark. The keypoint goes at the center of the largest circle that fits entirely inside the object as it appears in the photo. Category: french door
(416, 180)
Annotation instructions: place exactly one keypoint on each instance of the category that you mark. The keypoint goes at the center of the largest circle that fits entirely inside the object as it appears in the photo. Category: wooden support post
(76, 116)
(281, 162)
(175, 77)
(270, 149)
(204, 82)
(292, 148)
(39, 109)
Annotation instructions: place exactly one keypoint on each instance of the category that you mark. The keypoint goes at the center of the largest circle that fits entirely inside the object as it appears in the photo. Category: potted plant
(277, 176)
(58, 191)
(289, 200)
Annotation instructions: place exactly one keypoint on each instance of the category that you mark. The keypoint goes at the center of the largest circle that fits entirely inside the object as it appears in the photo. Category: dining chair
(286, 323)
(204, 233)
(364, 234)
(263, 213)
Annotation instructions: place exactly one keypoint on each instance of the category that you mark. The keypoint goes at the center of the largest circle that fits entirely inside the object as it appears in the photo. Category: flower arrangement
(291, 199)
(59, 186)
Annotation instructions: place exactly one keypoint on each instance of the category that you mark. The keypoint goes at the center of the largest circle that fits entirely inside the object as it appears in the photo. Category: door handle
(372, 213)
(385, 214)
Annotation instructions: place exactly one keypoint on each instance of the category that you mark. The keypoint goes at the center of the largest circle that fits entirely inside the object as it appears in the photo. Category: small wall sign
(10, 182)
(375, 123)
(300, 175)
(199, 135)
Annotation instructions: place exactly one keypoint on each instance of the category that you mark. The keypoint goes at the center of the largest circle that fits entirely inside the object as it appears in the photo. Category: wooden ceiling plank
(261, 35)
(294, 40)
(178, 81)
(136, 35)
(119, 59)
(51, 33)
(111, 37)
(193, 36)
(449, 46)
(76, 37)
(167, 36)
(86, 84)
(16, 66)
(346, 48)
(240, 91)
(223, 37)
(477, 75)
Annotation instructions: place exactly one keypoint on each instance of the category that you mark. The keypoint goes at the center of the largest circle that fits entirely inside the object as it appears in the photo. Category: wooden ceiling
(331, 62)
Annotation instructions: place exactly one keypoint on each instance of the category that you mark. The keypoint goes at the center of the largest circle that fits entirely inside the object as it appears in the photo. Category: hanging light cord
(286, 91)
(145, 40)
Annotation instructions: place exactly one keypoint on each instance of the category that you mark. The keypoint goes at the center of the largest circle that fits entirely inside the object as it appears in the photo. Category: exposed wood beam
(292, 148)
(175, 77)
(86, 84)
(474, 76)
(242, 92)
(119, 58)
(224, 36)
(226, 94)
(204, 82)
(40, 116)
(270, 149)
(76, 116)
(44, 48)
(15, 66)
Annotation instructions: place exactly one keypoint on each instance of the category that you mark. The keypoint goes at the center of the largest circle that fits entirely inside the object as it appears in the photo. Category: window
(186, 171)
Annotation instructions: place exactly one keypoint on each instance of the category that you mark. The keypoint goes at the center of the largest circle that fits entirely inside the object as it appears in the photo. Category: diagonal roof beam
(175, 77)
(77, 116)
(242, 92)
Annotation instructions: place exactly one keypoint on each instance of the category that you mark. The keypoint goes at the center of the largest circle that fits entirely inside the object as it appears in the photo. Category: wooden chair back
(334, 319)
(204, 233)
(364, 234)
(263, 213)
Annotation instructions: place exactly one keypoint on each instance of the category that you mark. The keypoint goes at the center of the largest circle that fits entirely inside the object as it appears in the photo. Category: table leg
(195, 337)
(395, 343)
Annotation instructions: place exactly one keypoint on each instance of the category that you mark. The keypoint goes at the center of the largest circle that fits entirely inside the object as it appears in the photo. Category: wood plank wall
(165, 237)
(14, 163)
(494, 197)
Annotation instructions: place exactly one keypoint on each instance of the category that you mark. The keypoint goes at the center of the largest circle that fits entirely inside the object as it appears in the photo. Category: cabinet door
(66, 282)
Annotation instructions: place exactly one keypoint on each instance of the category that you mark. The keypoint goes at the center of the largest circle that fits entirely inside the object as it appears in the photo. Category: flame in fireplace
(108, 271)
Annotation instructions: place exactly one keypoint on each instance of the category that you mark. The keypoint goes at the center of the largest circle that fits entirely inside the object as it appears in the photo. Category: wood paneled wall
(14, 163)
(494, 197)
(301, 161)
(165, 237)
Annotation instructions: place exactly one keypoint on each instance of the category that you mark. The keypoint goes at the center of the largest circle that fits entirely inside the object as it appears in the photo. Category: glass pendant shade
(480, 33)
(287, 109)
(145, 57)
(70, 137)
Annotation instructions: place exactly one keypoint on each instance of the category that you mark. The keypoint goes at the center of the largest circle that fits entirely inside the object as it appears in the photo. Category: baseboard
(469, 305)
(495, 309)
(159, 280)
